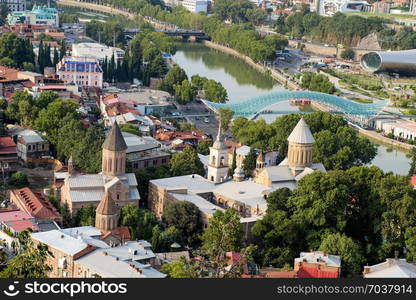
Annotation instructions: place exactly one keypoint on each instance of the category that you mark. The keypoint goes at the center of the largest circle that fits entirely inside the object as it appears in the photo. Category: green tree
(234, 163)
(85, 216)
(179, 269)
(348, 54)
(225, 115)
(249, 163)
(139, 221)
(29, 264)
(347, 249)
(18, 180)
(412, 169)
(144, 175)
(186, 217)
(175, 76)
(50, 118)
(184, 92)
(186, 163)
(166, 238)
(223, 234)
(214, 91)
(203, 147)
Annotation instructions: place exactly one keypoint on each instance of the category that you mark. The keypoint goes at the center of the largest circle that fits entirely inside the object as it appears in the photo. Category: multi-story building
(144, 151)
(14, 5)
(30, 145)
(195, 6)
(8, 156)
(81, 71)
(39, 15)
(98, 51)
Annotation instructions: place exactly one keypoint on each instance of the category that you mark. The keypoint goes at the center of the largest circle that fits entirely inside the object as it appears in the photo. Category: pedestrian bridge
(353, 111)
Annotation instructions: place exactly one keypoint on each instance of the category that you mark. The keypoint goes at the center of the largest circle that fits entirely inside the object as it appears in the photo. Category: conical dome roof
(115, 140)
(301, 134)
(106, 205)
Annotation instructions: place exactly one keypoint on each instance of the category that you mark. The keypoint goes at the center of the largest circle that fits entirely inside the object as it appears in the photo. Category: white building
(81, 252)
(39, 15)
(400, 129)
(98, 51)
(14, 5)
(195, 6)
(391, 268)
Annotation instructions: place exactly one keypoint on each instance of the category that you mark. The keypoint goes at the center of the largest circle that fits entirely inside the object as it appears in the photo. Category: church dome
(301, 134)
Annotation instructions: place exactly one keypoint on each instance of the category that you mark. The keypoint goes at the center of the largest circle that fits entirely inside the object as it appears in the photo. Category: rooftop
(59, 240)
(115, 140)
(301, 134)
(319, 256)
(391, 268)
(7, 145)
(35, 203)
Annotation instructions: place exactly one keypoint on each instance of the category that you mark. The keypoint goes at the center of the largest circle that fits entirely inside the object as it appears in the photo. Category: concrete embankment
(97, 7)
(279, 77)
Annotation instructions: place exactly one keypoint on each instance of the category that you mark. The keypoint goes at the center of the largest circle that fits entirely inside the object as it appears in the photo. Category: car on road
(206, 120)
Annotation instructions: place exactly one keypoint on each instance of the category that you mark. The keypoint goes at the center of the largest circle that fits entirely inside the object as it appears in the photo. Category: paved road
(195, 108)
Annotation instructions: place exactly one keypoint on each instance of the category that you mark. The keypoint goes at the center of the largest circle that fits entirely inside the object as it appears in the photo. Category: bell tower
(114, 153)
(106, 214)
(218, 160)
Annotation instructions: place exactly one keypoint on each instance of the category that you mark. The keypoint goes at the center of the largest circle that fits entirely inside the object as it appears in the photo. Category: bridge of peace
(358, 113)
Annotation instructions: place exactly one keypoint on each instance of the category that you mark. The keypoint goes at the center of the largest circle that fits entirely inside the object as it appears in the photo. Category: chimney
(366, 270)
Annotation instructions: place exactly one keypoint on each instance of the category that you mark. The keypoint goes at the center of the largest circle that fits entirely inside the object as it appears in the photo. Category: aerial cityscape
(208, 139)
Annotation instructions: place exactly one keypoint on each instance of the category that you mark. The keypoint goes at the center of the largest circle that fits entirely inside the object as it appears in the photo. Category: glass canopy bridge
(358, 113)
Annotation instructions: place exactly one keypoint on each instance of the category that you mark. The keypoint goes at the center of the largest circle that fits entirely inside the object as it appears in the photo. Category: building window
(146, 164)
(163, 160)
(155, 162)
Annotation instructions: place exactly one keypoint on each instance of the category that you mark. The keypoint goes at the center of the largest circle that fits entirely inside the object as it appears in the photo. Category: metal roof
(61, 241)
(301, 134)
(115, 140)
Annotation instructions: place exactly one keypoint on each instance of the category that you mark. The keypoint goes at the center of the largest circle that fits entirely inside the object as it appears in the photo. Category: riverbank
(275, 75)
(385, 140)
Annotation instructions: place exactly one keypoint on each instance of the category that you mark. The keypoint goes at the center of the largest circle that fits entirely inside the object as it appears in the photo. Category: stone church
(80, 190)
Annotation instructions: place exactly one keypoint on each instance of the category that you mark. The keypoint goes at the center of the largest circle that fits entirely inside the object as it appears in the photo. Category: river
(243, 82)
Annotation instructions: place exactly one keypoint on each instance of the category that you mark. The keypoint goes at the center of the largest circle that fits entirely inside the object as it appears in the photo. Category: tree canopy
(361, 214)
(337, 145)
(186, 217)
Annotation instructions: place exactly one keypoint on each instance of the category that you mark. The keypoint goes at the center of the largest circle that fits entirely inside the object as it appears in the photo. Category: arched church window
(213, 160)
(222, 161)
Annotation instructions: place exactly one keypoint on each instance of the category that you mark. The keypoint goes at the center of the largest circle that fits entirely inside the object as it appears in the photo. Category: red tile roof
(13, 215)
(7, 145)
(22, 225)
(35, 203)
(306, 272)
(413, 180)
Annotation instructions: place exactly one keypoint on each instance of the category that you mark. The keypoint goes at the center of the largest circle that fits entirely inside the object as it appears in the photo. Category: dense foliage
(337, 145)
(317, 83)
(59, 120)
(139, 221)
(15, 51)
(186, 217)
(360, 214)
